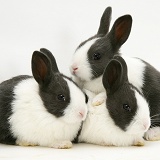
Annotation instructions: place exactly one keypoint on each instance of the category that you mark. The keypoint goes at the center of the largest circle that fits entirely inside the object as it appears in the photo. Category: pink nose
(81, 114)
(75, 68)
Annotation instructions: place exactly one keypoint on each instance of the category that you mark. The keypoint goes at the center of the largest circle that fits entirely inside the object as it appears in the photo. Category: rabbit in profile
(46, 109)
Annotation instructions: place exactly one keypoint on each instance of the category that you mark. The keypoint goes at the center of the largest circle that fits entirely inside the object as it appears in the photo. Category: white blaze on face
(141, 122)
(80, 66)
(76, 111)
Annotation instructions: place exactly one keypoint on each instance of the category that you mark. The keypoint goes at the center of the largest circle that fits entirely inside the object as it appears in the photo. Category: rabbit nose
(75, 68)
(82, 115)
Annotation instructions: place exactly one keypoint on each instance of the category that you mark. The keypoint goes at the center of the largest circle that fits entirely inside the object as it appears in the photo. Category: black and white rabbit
(46, 109)
(92, 55)
(124, 118)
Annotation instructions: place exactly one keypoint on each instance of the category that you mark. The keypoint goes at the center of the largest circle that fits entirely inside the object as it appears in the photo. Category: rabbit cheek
(80, 66)
(76, 111)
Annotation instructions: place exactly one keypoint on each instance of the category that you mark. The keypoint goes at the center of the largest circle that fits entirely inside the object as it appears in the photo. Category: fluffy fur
(136, 73)
(31, 122)
(46, 109)
(99, 128)
(141, 74)
(102, 128)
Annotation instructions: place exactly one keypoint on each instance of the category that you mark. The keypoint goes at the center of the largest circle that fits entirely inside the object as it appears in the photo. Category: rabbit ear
(120, 31)
(51, 57)
(41, 67)
(124, 65)
(114, 75)
(105, 21)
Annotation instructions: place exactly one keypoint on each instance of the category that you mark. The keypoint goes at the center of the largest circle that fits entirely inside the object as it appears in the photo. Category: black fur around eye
(127, 107)
(96, 56)
(61, 97)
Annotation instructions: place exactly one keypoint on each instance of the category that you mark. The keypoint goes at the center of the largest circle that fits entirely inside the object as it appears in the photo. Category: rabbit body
(123, 118)
(92, 56)
(41, 110)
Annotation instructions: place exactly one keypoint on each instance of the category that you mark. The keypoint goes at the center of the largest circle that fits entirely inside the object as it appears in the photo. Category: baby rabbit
(124, 118)
(46, 109)
(92, 55)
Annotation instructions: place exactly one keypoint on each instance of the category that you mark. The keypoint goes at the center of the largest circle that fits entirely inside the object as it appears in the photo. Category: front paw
(99, 99)
(139, 142)
(62, 145)
(25, 143)
(153, 134)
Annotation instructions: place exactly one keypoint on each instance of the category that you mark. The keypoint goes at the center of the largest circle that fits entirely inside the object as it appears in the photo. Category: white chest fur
(100, 129)
(95, 85)
(30, 121)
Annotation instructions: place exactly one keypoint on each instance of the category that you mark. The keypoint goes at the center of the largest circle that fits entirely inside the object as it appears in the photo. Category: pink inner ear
(41, 69)
(120, 30)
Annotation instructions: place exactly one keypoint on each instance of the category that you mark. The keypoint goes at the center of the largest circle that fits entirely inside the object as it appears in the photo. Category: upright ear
(114, 75)
(120, 31)
(51, 57)
(41, 68)
(105, 21)
(123, 64)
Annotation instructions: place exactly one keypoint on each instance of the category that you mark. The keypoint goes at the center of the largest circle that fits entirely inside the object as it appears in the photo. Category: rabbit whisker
(155, 115)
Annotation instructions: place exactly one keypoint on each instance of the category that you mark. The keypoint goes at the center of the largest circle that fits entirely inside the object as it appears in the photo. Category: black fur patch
(151, 91)
(115, 102)
(104, 48)
(49, 94)
(6, 98)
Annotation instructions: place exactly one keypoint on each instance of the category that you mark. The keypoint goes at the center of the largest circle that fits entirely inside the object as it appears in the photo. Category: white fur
(83, 74)
(99, 128)
(142, 117)
(76, 106)
(153, 134)
(32, 123)
(136, 70)
(95, 85)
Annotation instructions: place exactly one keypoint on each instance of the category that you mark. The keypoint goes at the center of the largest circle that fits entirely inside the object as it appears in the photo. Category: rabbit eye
(127, 107)
(61, 97)
(96, 56)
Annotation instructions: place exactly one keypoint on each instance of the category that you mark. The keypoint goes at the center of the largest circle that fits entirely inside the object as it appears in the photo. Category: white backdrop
(60, 25)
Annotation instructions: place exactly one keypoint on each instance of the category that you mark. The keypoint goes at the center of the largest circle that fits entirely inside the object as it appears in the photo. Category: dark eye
(61, 97)
(96, 56)
(126, 107)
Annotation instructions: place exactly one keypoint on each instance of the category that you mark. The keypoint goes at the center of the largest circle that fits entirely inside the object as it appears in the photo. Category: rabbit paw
(153, 134)
(99, 99)
(62, 145)
(25, 143)
(139, 142)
